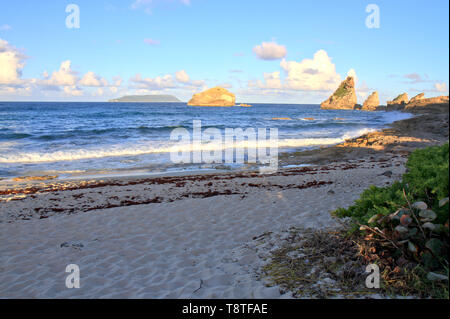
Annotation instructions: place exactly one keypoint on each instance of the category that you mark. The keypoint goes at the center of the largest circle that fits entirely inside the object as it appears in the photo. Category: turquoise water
(67, 138)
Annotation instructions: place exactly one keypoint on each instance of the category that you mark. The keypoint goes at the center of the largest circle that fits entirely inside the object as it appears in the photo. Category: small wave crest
(131, 150)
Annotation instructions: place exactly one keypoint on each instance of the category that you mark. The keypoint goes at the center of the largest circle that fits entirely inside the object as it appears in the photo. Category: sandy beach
(188, 236)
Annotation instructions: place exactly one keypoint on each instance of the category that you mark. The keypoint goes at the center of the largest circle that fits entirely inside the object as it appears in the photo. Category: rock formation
(423, 102)
(344, 98)
(398, 103)
(216, 96)
(418, 97)
(372, 102)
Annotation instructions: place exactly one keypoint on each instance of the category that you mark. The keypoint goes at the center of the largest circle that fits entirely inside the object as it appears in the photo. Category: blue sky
(263, 51)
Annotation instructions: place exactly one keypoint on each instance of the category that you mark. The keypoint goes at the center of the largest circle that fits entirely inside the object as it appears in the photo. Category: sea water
(66, 139)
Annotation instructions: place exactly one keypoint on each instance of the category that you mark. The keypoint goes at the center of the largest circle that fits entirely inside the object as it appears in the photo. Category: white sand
(188, 248)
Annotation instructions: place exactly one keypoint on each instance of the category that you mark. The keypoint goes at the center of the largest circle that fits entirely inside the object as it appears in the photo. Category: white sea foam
(132, 150)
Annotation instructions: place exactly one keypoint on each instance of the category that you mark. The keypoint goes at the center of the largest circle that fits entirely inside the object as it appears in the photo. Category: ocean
(95, 138)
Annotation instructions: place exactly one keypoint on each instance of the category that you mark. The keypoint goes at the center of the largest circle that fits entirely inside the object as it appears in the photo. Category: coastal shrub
(427, 177)
(426, 180)
(407, 223)
(373, 201)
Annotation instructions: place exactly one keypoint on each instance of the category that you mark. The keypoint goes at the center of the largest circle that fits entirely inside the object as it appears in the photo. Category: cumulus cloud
(182, 76)
(65, 81)
(160, 82)
(73, 91)
(270, 51)
(315, 74)
(91, 79)
(168, 81)
(65, 76)
(12, 62)
(441, 87)
(271, 81)
(310, 75)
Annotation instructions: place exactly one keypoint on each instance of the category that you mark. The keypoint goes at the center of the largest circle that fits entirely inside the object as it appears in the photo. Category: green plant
(426, 180)
(427, 177)
(409, 220)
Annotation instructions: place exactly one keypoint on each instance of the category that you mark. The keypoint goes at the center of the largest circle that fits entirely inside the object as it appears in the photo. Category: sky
(283, 51)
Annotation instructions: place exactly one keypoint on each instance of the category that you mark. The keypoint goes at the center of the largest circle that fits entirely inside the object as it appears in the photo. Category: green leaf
(435, 246)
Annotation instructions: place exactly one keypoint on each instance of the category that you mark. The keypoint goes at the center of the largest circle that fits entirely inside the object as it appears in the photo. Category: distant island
(146, 98)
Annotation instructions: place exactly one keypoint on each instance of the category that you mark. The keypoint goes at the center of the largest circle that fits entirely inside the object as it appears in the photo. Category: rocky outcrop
(216, 96)
(344, 98)
(372, 102)
(423, 102)
(416, 98)
(398, 103)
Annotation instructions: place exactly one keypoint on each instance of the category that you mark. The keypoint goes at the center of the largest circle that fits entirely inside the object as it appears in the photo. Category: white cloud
(91, 79)
(271, 81)
(65, 76)
(183, 81)
(113, 89)
(309, 75)
(73, 91)
(270, 51)
(159, 82)
(315, 74)
(12, 62)
(441, 87)
(182, 76)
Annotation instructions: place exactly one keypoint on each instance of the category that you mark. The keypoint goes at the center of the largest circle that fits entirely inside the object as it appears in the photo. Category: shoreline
(191, 235)
(180, 170)
(318, 155)
(165, 167)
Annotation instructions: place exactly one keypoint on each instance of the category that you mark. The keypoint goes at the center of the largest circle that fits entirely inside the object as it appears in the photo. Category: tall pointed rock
(344, 98)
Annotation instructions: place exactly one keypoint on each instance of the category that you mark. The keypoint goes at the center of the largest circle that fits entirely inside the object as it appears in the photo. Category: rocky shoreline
(428, 127)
